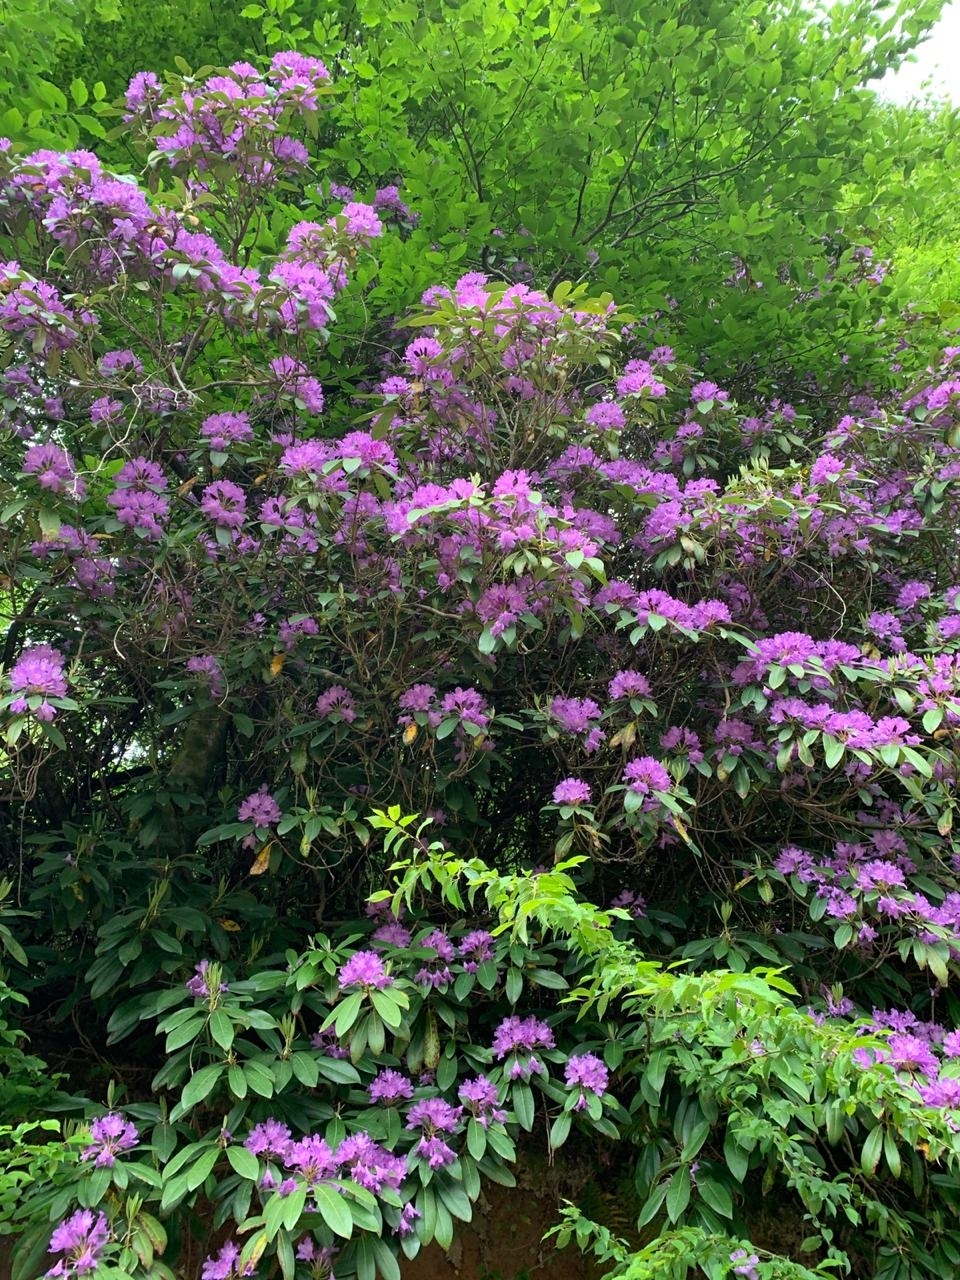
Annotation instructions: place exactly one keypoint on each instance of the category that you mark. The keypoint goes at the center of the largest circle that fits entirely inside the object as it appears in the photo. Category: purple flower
(326, 1042)
(628, 684)
(475, 948)
(944, 1092)
(606, 415)
(437, 1153)
(627, 900)
(54, 469)
(419, 697)
(646, 775)
(638, 377)
(369, 1165)
(390, 1087)
(310, 1158)
(370, 452)
(109, 1135)
(571, 791)
(209, 670)
(437, 972)
(269, 1138)
(221, 430)
(393, 933)
(294, 381)
(468, 706)
(119, 362)
(521, 1035)
(745, 1264)
(684, 741)
(433, 1115)
(137, 498)
(224, 503)
(579, 716)
(707, 391)
(321, 1258)
(226, 1265)
(81, 1238)
(362, 222)
(910, 1053)
(479, 1096)
(408, 1216)
(587, 1071)
(37, 673)
(260, 808)
(364, 969)
(199, 984)
(336, 703)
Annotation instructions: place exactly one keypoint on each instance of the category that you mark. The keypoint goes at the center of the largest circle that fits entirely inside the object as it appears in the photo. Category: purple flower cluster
(645, 776)
(867, 884)
(365, 970)
(109, 1135)
(586, 1072)
(745, 1264)
(235, 117)
(475, 948)
(54, 468)
(516, 1038)
(138, 498)
(572, 791)
(80, 1239)
(222, 430)
(207, 668)
(261, 809)
(35, 677)
(480, 1099)
(579, 717)
(310, 1160)
(390, 1087)
(434, 1117)
(337, 703)
(436, 973)
(226, 1265)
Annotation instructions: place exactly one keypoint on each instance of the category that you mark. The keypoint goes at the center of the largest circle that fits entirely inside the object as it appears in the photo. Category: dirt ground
(504, 1242)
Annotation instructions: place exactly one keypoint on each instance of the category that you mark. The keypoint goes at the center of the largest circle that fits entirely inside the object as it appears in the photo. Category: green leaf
(476, 1138)
(259, 1078)
(388, 1009)
(678, 1195)
(186, 1032)
(237, 1081)
(522, 1098)
(222, 1029)
(455, 1199)
(347, 1013)
(716, 1195)
(870, 1155)
(333, 1209)
(49, 523)
(244, 1162)
(891, 1153)
(200, 1086)
(560, 1130)
(306, 1069)
(514, 984)
(198, 1172)
(932, 719)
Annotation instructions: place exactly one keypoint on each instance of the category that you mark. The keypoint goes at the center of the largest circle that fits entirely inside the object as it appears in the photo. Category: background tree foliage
(702, 159)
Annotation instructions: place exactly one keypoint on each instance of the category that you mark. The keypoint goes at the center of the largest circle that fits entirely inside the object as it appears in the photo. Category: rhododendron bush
(327, 717)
